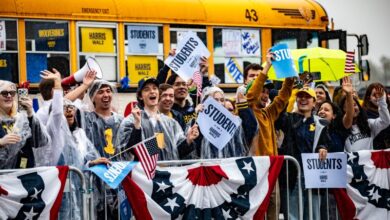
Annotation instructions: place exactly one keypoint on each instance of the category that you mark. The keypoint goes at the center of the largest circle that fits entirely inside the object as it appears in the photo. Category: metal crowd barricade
(83, 210)
(288, 160)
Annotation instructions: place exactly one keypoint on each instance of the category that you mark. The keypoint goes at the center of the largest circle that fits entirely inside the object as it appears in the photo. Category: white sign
(188, 53)
(330, 173)
(250, 40)
(231, 42)
(180, 35)
(217, 124)
(3, 38)
(142, 39)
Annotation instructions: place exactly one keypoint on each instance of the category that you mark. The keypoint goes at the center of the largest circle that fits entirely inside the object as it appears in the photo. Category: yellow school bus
(132, 38)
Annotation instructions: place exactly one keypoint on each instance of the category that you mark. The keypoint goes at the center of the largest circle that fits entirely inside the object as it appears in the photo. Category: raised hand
(270, 57)
(89, 77)
(46, 74)
(192, 134)
(199, 108)
(9, 139)
(379, 93)
(204, 65)
(172, 52)
(322, 153)
(136, 112)
(55, 75)
(26, 102)
(347, 85)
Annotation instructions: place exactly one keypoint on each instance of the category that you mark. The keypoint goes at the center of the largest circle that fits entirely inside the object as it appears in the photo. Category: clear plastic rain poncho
(236, 147)
(70, 148)
(33, 135)
(101, 131)
(174, 137)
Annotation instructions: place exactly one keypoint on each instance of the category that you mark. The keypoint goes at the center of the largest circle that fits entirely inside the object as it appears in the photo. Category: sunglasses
(5, 94)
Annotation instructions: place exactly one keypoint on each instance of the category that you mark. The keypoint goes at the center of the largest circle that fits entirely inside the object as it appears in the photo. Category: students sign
(188, 53)
(329, 173)
(217, 124)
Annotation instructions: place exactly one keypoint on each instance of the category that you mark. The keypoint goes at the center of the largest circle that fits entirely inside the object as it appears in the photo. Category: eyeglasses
(69, 107)
(6, 93)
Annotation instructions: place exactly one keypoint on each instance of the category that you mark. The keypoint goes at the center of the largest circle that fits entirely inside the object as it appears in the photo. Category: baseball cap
(269, 84)
(308, 91)
(144, 81)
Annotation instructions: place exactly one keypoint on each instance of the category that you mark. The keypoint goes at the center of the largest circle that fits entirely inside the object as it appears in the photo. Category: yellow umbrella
(329, 63)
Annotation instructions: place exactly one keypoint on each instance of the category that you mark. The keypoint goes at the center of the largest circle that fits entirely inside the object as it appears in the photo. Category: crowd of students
(80, 126)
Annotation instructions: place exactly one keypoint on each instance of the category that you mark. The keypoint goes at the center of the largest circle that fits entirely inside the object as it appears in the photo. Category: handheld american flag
(349, 64)
(197, 77)
(147, 153)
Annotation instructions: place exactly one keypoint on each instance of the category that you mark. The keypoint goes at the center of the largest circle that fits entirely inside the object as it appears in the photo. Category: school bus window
(99, 40)
(47, 47)
(312, 40)
(235, 48)
(144, 51)
(178, 33)
(296, 39)
(9, 67)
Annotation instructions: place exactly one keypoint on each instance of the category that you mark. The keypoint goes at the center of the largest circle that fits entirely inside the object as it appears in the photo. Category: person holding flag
(149, 122)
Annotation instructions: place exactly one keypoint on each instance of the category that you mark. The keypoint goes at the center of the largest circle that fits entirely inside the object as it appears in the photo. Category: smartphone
(22, 93)
(315, 75)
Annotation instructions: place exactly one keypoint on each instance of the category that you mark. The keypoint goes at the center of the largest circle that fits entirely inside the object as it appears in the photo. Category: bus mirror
(364, 44)
(365, 71)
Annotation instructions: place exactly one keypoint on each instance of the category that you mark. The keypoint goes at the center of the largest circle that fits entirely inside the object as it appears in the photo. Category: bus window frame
(96, 24)
(244, 58)
(17, 52)
(49, 53)
(159, 56)
(48, 21)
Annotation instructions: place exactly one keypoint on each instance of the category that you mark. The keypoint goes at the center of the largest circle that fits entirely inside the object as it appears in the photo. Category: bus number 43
(251, 15)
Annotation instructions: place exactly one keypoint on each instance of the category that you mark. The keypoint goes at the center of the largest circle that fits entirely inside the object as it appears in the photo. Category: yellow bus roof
(303, 14)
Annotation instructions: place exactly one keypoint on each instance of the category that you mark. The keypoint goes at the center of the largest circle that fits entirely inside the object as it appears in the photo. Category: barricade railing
(68, 188)
(288, 159)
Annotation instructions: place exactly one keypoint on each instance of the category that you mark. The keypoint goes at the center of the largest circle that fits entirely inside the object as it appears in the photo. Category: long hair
(335, 123)
(4, 85)
(367, 104)
(361, 119)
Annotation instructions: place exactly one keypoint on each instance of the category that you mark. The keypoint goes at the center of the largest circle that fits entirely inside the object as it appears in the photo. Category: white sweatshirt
(357, 141)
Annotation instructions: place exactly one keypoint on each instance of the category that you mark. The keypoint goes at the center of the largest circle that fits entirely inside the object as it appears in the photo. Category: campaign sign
(114, 174)
(283, 64)
(233, 70)
(142, 39)
(188, 53)
(330, 173)
(217, 124)
(51, 36)
(250, 41)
